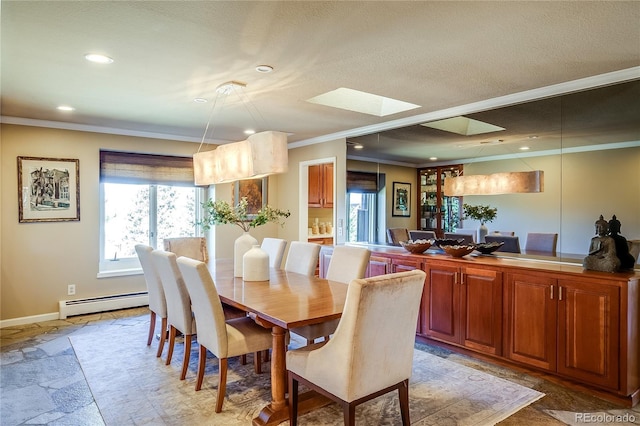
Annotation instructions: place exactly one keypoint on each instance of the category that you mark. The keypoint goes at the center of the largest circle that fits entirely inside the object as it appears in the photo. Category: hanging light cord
(206, 129)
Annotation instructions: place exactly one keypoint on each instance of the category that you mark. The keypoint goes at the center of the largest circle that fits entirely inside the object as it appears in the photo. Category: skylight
(463, 126)
(366, 103)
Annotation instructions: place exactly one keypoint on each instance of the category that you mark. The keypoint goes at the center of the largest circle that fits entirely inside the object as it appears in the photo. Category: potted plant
(219, 212)
(481, 213)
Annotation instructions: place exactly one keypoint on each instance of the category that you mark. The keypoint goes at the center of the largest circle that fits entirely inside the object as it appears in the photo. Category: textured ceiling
(435, 54)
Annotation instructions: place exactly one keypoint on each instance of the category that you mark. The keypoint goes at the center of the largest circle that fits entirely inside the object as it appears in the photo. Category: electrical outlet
(71, 289)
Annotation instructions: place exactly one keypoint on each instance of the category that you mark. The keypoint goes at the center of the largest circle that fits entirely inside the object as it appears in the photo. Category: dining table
(287, 300)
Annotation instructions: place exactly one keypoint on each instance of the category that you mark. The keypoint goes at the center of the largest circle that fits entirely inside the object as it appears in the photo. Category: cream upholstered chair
(224, 339)
(371, 352)
(179, 315)
(192, 247)
(511, 244)
(541, 242)
(395, 235)
(275, 249)
(347, 263)
(157, 301)
(302, 258)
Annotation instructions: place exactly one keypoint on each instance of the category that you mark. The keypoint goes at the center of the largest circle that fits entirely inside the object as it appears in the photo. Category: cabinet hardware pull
(551, 296)
(559, 293)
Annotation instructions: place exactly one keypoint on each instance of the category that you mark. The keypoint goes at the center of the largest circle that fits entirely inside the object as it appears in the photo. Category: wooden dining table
(286, 301)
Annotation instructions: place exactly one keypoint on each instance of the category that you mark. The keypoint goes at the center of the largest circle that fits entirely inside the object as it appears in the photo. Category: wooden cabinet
(437, 212)
(321, 240)
(463, 306)
(564, 325)
(321, 185)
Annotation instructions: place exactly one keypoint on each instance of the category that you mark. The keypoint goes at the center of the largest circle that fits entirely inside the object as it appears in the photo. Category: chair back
(275, 249)
(540, 242)
(469, 231)
(157, 301)
(348, 263)
(206, 305)
(511, 244)
(192, 247)
(422, 235)
(395, 235)
(179, 312)
(509, 233)
(302, 258)
(363, 345)
(468, 238)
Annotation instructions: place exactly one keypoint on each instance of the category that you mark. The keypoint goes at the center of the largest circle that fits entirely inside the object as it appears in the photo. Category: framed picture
(255, 190)
(48, 189)
(401, 199)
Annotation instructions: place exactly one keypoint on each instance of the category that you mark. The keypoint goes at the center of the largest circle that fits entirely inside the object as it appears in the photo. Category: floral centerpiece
(480, 213)
(220, 212)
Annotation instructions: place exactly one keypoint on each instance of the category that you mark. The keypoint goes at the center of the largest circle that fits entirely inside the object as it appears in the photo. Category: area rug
(131, 386)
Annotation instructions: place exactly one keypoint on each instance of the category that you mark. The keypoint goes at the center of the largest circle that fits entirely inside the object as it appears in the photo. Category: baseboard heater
(102, 304)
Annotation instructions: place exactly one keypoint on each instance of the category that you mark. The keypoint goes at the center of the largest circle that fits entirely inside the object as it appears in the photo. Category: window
(362, 195)
(144, 199)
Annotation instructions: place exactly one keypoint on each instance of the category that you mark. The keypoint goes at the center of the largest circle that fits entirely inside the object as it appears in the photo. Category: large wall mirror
(587, 143)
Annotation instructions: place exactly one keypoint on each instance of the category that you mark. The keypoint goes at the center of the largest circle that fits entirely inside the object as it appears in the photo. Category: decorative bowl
(458, 250)
(488, 248)
(441, 242)
(417, 246)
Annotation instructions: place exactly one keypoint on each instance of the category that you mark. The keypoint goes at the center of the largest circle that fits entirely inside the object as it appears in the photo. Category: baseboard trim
(29, 320)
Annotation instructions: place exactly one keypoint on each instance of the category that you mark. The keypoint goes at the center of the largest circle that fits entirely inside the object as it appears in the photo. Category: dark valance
(362, 182)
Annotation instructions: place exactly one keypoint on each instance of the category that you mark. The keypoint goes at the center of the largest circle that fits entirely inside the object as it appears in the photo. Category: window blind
(362, 182)
(131, 167)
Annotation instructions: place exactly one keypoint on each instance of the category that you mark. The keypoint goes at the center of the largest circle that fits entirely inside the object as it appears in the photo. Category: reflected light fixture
(261, 154)
(496, 183)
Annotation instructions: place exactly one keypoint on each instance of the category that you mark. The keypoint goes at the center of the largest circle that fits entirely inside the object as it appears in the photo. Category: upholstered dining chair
(467, 238)
(157, 301)
(179, 315)
(373, 336)
(222, 338)
(275, 249)
(347, 263)
(511, 244)
(302, 258)
(509, 233)
(541, 243)
(395, 235)
(192, 247)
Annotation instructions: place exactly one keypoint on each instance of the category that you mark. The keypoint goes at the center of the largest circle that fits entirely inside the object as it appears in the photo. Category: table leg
(277, 411)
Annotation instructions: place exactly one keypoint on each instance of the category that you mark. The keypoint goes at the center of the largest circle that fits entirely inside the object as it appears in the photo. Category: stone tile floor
(41, 382)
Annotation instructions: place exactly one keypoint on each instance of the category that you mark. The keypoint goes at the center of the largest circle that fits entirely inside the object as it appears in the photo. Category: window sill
(119, 273)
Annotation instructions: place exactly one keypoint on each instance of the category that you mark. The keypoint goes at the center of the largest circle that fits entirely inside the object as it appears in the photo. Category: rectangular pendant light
(262, 154)
(496, 183)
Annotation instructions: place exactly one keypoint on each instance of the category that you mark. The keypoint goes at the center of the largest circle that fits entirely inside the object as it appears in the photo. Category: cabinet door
(377, 266)
(532, 320)
(327, 184)
(481, 309)
(588, 327)
(315, 186)
(442, 303)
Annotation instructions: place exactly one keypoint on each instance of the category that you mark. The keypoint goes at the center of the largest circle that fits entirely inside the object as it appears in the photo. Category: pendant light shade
(496, 183)
(262, 154)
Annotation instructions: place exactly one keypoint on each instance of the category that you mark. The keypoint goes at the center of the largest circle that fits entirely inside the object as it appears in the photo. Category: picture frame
(401, 199)
(256, 192)
(48, 189)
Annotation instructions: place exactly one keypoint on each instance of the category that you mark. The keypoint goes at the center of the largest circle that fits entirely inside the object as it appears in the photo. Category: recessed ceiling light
(358, 146)
(524, 148)
(200, 100)
(533, 137)
(98, 59)
(433, 158)
(264, 68)
(249, 132)
(65, 108)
